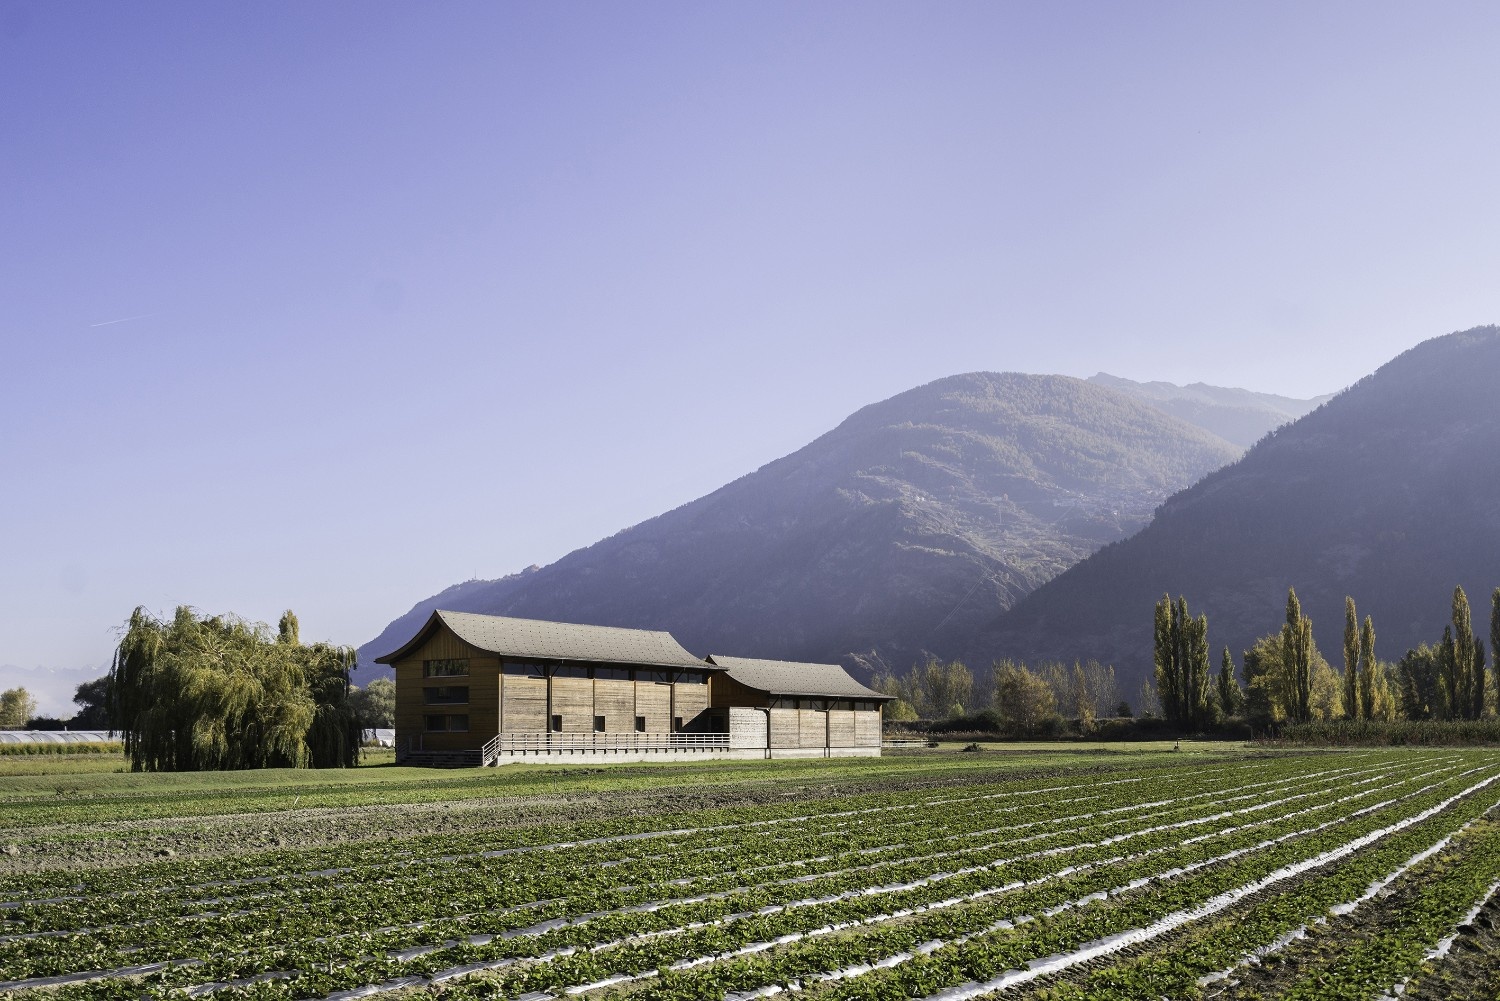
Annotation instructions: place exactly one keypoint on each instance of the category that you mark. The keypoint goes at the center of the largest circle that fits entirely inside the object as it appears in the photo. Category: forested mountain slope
(1390, 492)
(902, 530)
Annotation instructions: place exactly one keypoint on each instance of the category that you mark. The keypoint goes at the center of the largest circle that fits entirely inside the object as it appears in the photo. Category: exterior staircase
(442, 759)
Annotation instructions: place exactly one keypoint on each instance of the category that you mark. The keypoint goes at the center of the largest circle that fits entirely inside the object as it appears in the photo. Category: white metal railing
(510, 742)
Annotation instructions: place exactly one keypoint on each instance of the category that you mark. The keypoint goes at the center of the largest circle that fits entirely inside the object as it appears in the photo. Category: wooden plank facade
(485, 688)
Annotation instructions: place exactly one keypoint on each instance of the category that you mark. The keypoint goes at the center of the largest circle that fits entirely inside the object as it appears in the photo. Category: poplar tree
(1296, 659)
(1368, 669)
(1231, 696)
(1182, 667)
(1462, 678)
(1478, 680)
(1167, 671)
(1354, 707)
(1199, 685)
(1495, 639)
(1449, 684)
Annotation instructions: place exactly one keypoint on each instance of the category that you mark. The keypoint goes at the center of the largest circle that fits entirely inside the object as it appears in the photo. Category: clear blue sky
(330, 305)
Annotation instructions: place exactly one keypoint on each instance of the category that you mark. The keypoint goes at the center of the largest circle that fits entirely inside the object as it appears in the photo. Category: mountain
(1389, 492)
(1236, 415)
(902, 530)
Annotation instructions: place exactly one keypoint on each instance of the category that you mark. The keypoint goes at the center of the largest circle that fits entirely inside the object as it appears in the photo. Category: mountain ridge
(1241, 416)
(890, 535)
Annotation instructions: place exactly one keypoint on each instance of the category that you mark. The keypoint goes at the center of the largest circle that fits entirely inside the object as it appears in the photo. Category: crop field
(1213, 872)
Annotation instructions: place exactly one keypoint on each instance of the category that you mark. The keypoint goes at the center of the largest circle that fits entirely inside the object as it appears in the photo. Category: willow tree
(222, 693)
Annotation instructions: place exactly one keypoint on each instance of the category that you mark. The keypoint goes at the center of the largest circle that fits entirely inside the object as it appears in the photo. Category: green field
(1039, 871)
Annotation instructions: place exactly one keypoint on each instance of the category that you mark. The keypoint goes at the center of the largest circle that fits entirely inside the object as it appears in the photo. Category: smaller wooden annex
(488, 689)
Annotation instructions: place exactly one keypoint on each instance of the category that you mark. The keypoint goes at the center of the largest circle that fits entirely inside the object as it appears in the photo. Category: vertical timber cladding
(841, 728)
(653, 700)
(479, 714)
(786, 728)
(533, 696)
(573, 699)
(690, 702)
(813, 723)
(523, 705)
(614, 699)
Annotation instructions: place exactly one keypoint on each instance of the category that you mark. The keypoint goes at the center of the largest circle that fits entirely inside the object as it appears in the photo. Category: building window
(676, 724)
(556, 724)
(451, 724)
(446, 695)
(598, 724)
(612, 674)
(782, 702)
(640, 724)
(436, 723)
(570, 672)
(445, 668)
(659, 677)
(692, 678)
(521, 669)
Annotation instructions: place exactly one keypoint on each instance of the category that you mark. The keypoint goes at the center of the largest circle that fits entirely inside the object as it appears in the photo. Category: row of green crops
(878, 895)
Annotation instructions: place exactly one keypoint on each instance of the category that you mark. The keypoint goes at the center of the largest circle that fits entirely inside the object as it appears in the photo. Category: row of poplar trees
(1288, 679)
(218, 692)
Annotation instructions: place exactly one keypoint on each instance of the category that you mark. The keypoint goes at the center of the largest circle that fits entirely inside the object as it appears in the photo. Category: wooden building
(796, 710)
(474, 689)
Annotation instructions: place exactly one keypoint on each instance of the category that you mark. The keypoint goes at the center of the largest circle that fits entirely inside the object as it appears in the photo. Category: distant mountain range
(906, 529)
(1389, 492)
(1236, 415)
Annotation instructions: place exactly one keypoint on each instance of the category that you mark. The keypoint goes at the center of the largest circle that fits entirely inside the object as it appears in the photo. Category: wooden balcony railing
(504, 743)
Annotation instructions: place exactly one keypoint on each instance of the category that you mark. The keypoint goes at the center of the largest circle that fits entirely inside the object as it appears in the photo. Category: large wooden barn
(486, 689)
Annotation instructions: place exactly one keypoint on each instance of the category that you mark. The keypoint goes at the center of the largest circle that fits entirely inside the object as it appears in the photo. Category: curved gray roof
(787, 677)
(536, 639)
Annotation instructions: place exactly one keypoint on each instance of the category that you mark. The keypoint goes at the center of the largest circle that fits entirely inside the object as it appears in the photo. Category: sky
(330, 306)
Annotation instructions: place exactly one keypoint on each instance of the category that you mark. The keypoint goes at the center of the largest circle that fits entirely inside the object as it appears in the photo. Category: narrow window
(445, 668)
(446, 694)
(521, 669)
(598, 724)
(556, 724)
(677, 724)
(640, 724)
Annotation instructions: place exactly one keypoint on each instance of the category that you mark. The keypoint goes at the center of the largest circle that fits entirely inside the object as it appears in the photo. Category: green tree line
(1286, 678)
(1026, 701)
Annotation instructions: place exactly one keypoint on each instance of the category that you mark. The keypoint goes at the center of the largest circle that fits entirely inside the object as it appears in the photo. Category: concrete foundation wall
(582, 757)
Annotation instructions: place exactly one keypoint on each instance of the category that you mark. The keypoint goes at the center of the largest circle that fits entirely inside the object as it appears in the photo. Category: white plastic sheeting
(385, 737)
(57, 736)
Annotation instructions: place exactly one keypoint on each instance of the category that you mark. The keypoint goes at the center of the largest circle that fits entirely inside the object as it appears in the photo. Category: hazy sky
(331, 305)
